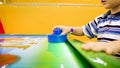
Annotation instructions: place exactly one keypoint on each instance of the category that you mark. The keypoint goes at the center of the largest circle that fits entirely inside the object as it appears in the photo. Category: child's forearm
(67, 29)
(77, 31)
(114, 42)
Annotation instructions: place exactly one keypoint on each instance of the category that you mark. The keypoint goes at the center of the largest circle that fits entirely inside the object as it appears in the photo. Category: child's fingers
(98, 48)
(88, 45)
(65, 29)
(101, 46)
(85, 47)
(64, 32)
(93, 46)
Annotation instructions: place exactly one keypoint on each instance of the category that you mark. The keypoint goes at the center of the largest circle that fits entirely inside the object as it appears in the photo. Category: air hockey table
(34, 51)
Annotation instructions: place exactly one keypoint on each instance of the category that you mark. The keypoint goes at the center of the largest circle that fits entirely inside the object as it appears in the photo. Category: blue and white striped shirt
(105, 27)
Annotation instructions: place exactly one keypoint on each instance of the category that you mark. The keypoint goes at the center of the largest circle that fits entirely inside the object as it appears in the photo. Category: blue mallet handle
(57, 31)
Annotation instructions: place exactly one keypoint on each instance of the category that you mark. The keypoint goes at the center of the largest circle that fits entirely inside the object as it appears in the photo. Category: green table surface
(40, 53)
(96, 59)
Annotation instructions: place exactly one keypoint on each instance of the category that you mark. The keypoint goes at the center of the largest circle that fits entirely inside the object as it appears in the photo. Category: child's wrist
(71, 29)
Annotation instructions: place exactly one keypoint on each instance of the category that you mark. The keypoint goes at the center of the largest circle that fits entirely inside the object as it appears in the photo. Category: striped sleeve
(90, 29)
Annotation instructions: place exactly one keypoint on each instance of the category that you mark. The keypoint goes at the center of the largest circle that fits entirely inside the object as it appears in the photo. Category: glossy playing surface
(34, 51)
(37, 52)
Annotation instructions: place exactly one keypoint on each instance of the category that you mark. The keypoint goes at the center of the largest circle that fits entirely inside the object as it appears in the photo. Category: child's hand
(108, 47)
(65, 29)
